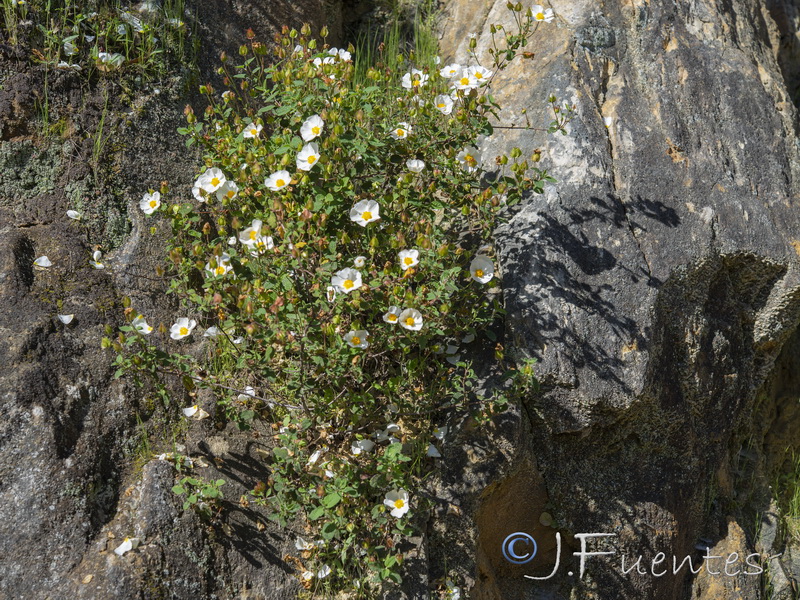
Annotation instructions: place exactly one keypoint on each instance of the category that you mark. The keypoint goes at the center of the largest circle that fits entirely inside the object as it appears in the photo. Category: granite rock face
(658, 286)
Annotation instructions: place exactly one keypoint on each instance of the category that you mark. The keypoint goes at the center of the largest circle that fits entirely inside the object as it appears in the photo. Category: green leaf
(329, 531)
(316, 513)
(331, 500)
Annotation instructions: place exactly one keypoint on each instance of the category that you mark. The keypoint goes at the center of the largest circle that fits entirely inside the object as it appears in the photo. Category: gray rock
(657, 283)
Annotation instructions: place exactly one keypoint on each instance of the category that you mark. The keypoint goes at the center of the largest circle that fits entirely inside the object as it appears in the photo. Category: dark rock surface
(77, 473)
(657, 284)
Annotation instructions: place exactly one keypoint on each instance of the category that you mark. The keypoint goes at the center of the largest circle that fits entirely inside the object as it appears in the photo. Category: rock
(657, 283)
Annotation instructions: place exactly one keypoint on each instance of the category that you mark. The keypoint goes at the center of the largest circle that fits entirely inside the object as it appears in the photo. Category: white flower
(312, 460)
(66, 319)
(223, 266)
(195, 412)
(331, 293)
(110, 60)
(227, 191)
(344, 55)
(74, 215)
(323, 572)
(465, 81)
(360, 446)
(96, 262)
(328, 60)
(211, 180)
(249, 394)
(365, 212)
(481, 269)
(211, 332)
(453, 591)
(408, 258)
(140, 325)
(397, 501)
(263, 243)
(415, 78)
(415, 165)
(227, 95)
(440, 432)
(181, 328)
(301, 544)
(540, 14)
(433, 452)
(70, 49)
(312, 127)
(67, 66)
(386, 434)
(298, 49)
(410, 319)
(232, 240)
(469, 159)
(278, 180)
(199, 193)
(608, 122)
(249, 237)
(401, 132)
(150, 203)
(357, 339)
(480, 74)
(392, 316)
(251, 131)
(450, 71)
(359, 261)
(308, 157)
(42, 262)
(346, 280)
(126, 546)
(307, 575)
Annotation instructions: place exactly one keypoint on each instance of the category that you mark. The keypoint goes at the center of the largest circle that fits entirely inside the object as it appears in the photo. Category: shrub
(338, 252)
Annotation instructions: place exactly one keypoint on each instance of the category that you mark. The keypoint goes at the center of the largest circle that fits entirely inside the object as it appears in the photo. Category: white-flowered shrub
(341, 270)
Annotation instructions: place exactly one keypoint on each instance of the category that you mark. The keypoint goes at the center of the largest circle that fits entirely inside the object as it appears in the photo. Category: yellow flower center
(220, 270)
(478, 272)
(416, 82)
(315, 130)
(230, 194)
(410, 321)
(478, 75)
(440, 105)
(465, 81)
(355, 340)
(366, 215)
(253, 235)
(392, 318)
(408, 260)
(400, 133)
(311, 159)
(183, 331)
(152, 203)
(540, 16)
(468, 158)
(399, 503)
(280, 183)
(348, 283)
(215, 181)
(254, 132)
